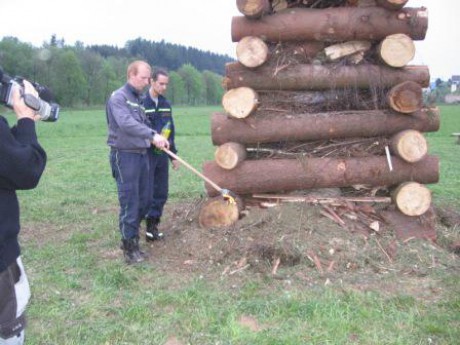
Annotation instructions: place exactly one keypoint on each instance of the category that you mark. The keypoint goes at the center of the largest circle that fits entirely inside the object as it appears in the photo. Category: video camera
(42, 104)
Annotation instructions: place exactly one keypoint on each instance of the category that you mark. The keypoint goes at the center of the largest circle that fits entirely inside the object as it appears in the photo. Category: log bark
(396, 50)
(251, 51)
(240, 102)
(319, 126)
(412, 198)
(392, 5)
(333, 24)
(337, 51)
(409, 145)
(405, 97)
(319, 77)
(216, 213)
(253, 9)
(284, 175)
(229, 155)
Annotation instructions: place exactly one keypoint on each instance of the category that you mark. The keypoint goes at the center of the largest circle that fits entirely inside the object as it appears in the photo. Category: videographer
(22, 161)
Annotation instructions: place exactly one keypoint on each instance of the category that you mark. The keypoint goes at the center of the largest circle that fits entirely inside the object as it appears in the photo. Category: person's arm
(128, 124)
(23, 160)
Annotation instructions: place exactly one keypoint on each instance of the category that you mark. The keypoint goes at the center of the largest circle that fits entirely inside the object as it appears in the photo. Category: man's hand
(160, 141)
(19, 107)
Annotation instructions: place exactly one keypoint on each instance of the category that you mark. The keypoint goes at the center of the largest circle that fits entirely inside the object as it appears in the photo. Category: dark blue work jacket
(160, 116)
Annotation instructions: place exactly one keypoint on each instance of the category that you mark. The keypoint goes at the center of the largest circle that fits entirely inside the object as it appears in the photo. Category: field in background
(83, 293)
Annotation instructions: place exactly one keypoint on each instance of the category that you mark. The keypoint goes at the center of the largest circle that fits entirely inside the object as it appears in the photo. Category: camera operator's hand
(19, 107)
(160, 141)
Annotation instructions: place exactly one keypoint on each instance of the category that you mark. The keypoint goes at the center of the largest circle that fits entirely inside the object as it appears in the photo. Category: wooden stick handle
(213, 184)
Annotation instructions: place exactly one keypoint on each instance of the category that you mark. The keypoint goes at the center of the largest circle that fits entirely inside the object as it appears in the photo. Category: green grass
(442, 144)
(84, 294)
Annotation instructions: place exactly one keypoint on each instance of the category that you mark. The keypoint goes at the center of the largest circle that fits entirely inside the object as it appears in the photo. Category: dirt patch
(298, 244)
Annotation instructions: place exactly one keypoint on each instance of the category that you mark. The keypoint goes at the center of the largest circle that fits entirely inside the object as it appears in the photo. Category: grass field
(83, 293)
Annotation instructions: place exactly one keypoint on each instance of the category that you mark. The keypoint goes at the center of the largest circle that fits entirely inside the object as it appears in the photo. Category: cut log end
(229, 155)
(406, 97)
(253, 8)
(412, 198)
(240, 102)
(252, 51)
(217, 212)
(397, 50)
(409, 145)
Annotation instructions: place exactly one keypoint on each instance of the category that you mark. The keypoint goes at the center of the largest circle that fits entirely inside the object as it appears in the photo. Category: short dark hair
(157, 72)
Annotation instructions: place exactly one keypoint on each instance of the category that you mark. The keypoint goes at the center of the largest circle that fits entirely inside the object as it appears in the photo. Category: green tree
(193, 84)
(176, 89)
(69, 79)
(16, 58)
(92, 63)
(213, 87)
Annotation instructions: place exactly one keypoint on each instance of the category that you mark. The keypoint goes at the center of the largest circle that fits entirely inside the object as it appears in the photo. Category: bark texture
(320, 77)
(333, 24)
(319, 126)
(284, 175)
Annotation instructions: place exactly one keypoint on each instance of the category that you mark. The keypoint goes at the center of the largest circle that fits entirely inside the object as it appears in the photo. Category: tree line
(82, 75)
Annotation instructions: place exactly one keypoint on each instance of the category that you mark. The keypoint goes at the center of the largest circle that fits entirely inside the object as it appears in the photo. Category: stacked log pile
(323, 96)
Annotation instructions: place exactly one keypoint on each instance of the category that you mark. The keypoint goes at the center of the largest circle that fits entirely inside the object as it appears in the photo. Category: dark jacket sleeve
(22, 159)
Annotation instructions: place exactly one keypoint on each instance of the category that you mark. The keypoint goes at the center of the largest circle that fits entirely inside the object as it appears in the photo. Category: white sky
(203, 24)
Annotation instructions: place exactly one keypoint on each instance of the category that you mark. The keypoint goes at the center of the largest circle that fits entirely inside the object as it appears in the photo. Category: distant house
(455, 79)
(452, 99)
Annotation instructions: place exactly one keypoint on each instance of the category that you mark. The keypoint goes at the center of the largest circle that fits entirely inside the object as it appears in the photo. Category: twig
(275, 266)
(384, 251)
(320, 200)
(239, 269)
(316, 261)
(335, 215)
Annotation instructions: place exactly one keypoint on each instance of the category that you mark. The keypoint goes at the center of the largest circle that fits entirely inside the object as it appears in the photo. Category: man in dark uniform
(158, 110)
(129, 139)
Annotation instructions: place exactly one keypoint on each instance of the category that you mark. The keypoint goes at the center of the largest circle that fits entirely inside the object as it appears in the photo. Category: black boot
(152, 233)
(131, 251)
(136, 244)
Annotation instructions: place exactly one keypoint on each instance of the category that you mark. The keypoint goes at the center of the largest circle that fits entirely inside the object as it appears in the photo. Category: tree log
(412, 198)
(284, 175)
(392, 5)
(315, 77)
(217, 212)
(253, 9)
(251, 51)
(229, 155)
(396, 50)
(405, 97)
(340, 50)
(409, 145)
(333, 24)
(319, 126)
(240, 102)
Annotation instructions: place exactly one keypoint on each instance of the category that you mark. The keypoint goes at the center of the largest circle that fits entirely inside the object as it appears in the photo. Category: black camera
(42, 104)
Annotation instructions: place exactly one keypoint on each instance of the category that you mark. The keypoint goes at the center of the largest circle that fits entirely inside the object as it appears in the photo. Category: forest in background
(83, 76)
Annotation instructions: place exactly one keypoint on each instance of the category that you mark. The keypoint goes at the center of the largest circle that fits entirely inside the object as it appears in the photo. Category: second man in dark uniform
(159, 112)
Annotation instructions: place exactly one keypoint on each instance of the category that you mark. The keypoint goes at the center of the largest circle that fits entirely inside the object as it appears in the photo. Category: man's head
(138, 75)
(159, 82)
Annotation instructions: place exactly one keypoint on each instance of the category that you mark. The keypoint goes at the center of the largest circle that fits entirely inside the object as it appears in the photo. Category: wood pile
(323, 96)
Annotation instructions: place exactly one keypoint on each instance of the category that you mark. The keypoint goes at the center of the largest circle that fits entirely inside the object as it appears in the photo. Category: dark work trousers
(159, 184)
(131, 171)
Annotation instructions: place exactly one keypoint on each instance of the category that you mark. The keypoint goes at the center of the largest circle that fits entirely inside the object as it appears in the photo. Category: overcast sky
(204, 24)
